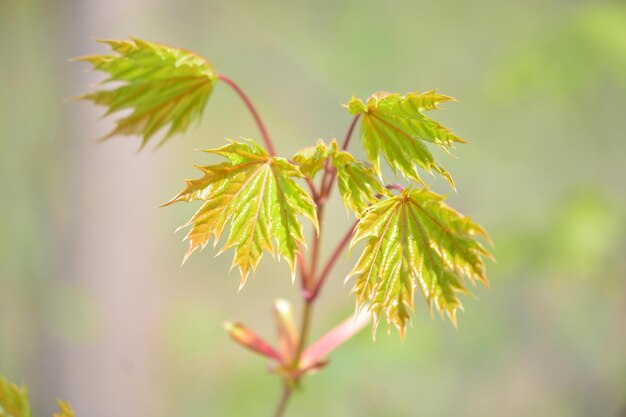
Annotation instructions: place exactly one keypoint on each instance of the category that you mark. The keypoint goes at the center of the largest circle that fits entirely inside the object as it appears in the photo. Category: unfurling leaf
(396, 127)
(415, 240)
(250, 340)
(287, 333)
(14, 402)
(358, 182)
(163, 86)
(256, 196)
(311, 159)
(334, 338)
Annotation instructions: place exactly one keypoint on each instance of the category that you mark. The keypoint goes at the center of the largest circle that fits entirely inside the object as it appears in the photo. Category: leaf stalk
(255, 114)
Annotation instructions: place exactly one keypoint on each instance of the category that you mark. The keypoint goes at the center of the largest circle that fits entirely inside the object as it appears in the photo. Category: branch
(331, 262)
(346, 141)
(304, 270)
(316, 247)
(282, 401)
(255, 114)
(396, 187)
(327, 183)
(311, 185)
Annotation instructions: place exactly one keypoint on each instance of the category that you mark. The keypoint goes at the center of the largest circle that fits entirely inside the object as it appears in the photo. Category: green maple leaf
(397, 128)
(358, 181)
(163, 86)
(256, 196)
(415, 240)
(14, 402)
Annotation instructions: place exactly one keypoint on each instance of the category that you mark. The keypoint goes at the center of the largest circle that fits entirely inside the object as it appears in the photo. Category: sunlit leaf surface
(256, 196)
(164, 87)
(415, 240)
(397, 128)
(357, 180)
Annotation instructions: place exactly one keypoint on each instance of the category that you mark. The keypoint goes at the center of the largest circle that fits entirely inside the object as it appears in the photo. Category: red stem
(255, 114)
(311, 185)
(346, 141)
(396, 187)
(316, 249)
(303, 266)
(330, 263)
(327, 186)
(310, 285)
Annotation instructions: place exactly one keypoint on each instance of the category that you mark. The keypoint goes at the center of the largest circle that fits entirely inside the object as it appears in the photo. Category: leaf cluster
(411, 239)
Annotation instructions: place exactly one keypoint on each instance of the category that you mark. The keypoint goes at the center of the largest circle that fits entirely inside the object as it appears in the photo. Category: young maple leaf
(358, 181)
(164, 86)
(255, 195)
(396, 127)
(415, 240)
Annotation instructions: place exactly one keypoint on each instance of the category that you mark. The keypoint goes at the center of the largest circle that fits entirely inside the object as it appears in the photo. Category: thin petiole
(396, 187)
(330, 173)
(255, 114)
(331, 262)
(346, 141)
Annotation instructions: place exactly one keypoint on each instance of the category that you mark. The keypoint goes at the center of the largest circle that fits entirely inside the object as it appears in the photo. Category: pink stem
(253, 111)
(330, 263)
(346, 141)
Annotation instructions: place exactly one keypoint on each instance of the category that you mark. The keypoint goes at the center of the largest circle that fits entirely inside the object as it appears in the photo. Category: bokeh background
(95, 308)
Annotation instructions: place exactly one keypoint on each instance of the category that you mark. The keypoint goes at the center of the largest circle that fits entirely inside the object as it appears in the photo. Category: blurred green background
(95, 308)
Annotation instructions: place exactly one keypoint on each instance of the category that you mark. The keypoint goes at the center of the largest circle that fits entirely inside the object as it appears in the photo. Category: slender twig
(312, 188)
(303, 266)
(283, 400)
(396, 187)
(253, 111)
(315, 251)
(305, 323)
(346, 140)
(330, 171)
(330, 263)
(311, 284)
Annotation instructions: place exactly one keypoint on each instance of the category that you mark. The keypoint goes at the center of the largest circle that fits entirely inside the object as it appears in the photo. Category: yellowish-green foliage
(14, 402)
(256, 196)
(396, 127)
(163, 86)
(415, 240)
(311, 160)
(358, 182)
(411, 240)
